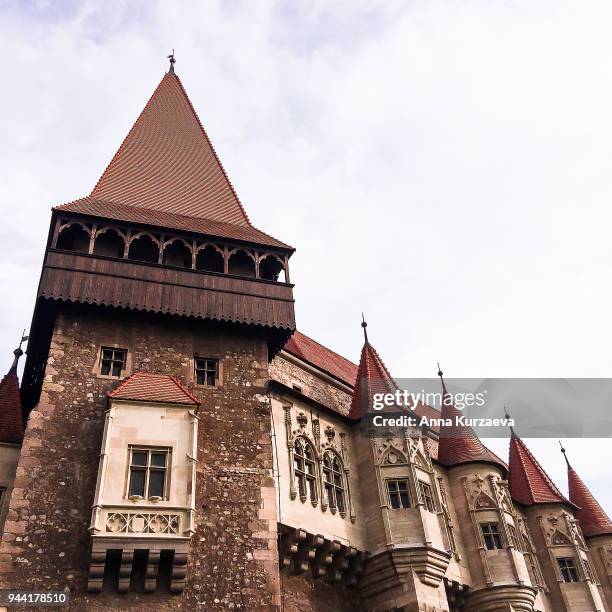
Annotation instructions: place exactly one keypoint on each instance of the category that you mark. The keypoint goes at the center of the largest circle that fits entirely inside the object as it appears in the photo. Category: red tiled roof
(168, 163)
(146, 387)
(372, 377)
(321, 357)
(529, 483)
(593, 518)
(11, 422)
(134, 214)
(459, 444)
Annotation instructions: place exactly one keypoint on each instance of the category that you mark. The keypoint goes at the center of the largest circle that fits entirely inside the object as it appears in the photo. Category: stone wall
(233, 561)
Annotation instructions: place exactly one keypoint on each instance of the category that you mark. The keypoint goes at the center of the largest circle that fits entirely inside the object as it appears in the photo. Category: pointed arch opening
(210, 259)
(272, 268)
(109, 243)
(334, 485)
(304, 467)
(241, 263)
(73, 237)
(144, 248)
(178, 254)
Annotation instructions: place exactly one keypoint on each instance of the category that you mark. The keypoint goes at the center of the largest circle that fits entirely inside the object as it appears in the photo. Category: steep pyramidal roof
(168, 168)
(459, 444)
(372, 377)
(529, 483)
(146, 387)
(11, 420)
(593, 518)
(167, 163)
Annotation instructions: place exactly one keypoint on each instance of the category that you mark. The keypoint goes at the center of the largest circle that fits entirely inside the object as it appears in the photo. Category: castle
(177, 444)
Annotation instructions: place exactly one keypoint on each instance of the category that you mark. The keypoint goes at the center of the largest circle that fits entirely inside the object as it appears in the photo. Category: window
(305, 470)
(568, 569)
(398, 494)
(587, 570)
(112, 361)
(333, 483)
(490, 533)
(148, 472)
(513, 535)
(425, 495)
(207, 371)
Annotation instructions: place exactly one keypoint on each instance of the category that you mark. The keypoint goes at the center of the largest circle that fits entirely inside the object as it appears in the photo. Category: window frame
(491, 534)
(124, 362)
(147, 469)
(306, 480)
(513, 537)
(399, 492)
(426, 497)
(335, 491)
(569, 565)
(206, 370)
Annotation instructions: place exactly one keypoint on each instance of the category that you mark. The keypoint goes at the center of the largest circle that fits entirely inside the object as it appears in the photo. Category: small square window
(148, 473)
(426, 495)
(398, 494)
(567, 566)
(492, 538)
(112, 361)
(206, 371)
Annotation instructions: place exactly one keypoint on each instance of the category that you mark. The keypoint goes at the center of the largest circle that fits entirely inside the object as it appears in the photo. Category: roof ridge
(183, 388)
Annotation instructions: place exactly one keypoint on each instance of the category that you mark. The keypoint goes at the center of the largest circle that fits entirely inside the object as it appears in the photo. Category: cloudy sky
(442, 166)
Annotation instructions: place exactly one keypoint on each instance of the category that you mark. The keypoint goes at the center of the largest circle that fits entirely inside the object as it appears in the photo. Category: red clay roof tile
(321, 357)
(593, 518)
(529, 483)
(147, 387)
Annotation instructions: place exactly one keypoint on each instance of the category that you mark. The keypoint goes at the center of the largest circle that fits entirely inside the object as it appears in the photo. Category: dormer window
(148, 473)
(206, 371)
(112, 361)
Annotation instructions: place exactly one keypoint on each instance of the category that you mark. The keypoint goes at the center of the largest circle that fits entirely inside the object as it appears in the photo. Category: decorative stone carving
(302, 420)
(136, 522)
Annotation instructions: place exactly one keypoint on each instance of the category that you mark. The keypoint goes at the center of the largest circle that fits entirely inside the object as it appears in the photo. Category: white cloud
(443, 166)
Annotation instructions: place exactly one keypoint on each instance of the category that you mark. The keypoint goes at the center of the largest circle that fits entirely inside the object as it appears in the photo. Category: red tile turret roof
(11, 418)
(458, 444)
(529, 483)
(321, 357)
(147, 387)
(593, 518)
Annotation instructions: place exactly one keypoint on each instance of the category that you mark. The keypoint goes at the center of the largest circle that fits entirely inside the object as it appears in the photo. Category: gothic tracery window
(333, 483)
(304, 465)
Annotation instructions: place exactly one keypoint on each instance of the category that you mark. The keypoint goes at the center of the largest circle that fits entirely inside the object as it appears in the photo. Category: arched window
(270, 268)
(73, 238)
(177, 254)
(241, 263)
(304, 465)
(333, 483)
(144, 248)
(209, 259)
(109, 243)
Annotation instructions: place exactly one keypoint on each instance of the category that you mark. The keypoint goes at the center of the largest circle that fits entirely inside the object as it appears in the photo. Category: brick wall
(233, 559)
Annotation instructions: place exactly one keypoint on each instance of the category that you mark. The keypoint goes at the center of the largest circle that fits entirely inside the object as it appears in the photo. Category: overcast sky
(442, 166)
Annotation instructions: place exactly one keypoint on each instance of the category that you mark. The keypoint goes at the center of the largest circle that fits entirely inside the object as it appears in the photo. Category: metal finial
(172, 62)
(440, 372)
(18, 352)
(564, 453)
(507, 416)
(364, 325)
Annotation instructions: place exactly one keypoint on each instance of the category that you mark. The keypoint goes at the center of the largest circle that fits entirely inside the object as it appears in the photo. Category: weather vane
(172, 61)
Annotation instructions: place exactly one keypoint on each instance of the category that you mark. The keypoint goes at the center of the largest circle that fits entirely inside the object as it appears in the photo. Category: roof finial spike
(564, 454)
(18, 352)
(172, 62)
(441, 375)
(365, 331)
(507, 417)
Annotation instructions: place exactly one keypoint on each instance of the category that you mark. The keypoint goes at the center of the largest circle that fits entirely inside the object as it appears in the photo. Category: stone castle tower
(186, 447)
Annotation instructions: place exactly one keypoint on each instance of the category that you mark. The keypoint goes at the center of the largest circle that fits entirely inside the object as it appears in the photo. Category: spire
(529, 483)
(167, 163)
(364, 325)
(11, 419)
(372, 377)
(593, 518)
(172, 62)
(457, 443)
(569, 467)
